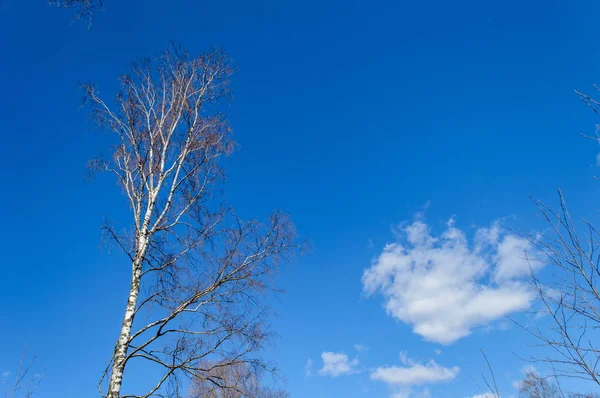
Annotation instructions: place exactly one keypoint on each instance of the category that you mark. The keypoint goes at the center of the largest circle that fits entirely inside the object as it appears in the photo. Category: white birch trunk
(116, 376)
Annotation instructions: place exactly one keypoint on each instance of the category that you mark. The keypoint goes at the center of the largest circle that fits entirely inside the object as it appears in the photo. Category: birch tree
(199, 273)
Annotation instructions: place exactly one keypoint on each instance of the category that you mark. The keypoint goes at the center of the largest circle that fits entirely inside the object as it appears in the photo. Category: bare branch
(570, 297)
(25, 383)
(83, 8)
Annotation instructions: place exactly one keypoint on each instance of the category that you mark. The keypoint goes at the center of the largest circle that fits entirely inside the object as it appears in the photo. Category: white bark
(120, 355)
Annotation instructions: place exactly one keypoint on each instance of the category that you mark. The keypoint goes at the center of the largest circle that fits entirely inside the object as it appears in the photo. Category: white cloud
(336, 364)
(308, 368)
(438, 351)
(5, 374)
(360, 347)
(443, 286)
(414, 373)
(510, 258)
(484, 395)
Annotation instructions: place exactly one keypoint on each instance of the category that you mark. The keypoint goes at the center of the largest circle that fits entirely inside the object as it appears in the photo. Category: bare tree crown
(169, 142)
(198, 270)
(570, 295)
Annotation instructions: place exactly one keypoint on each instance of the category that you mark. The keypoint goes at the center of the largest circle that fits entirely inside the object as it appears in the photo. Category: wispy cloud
(337, 364)
(443, 286)
(308, 367)
(360, 347)
(414, 373)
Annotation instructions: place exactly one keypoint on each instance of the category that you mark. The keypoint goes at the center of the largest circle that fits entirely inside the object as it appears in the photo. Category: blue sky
(363, 120)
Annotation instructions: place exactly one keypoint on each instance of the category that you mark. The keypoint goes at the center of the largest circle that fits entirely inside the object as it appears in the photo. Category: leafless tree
(234, 381)
(534, 386)
(25, 382)
(570, 295)
(198, 272)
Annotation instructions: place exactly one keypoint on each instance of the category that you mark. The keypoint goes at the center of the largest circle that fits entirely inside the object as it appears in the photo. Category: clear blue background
(351, 115)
